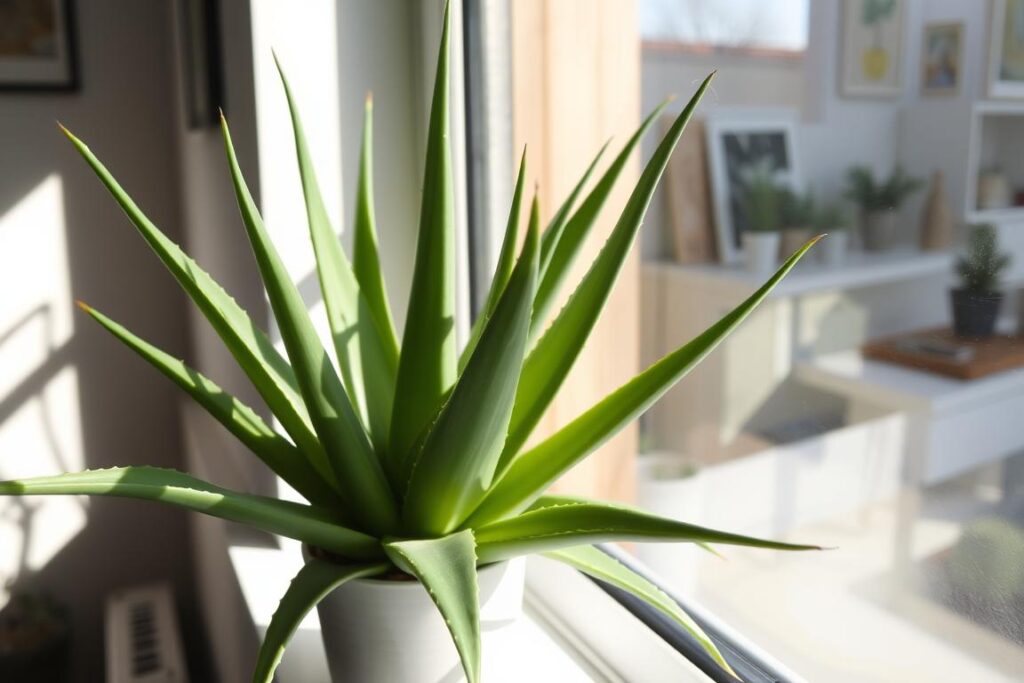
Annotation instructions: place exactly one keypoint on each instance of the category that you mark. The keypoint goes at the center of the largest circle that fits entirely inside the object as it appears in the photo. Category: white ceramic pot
(378, 631)
(833, 247)
(761, 251)
(667, 487)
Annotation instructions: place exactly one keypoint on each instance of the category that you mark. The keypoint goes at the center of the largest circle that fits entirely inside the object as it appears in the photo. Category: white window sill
(572, 631)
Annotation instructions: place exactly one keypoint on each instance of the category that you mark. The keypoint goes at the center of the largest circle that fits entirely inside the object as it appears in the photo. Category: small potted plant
(34, 641)
(797, 212)
(976, 302)
(412, 456)
(879, 202)
(833, 220)
(761, 204)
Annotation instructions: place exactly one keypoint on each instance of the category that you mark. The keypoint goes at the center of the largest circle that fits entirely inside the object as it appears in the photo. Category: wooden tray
(988, 356)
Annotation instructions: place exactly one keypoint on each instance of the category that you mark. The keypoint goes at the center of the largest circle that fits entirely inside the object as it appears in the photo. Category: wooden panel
(689, 196)
(576, 82)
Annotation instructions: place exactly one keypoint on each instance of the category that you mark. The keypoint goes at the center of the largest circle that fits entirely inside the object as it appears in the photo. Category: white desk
(953, 426)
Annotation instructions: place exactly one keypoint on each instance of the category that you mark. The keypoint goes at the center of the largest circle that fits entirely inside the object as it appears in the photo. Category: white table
(952, 425)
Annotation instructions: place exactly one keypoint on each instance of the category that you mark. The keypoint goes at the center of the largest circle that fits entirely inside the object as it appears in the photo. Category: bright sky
(778, 24)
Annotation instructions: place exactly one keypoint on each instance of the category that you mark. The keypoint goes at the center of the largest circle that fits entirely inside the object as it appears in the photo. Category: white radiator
(143, 639)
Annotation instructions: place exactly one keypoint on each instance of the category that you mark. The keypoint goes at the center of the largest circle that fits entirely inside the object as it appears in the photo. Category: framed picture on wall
(1006, 49)
(941, 58)
(37, 45)
(739, 144)
(870, 63)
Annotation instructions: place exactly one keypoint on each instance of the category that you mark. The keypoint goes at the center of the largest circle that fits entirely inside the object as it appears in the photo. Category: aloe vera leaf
(294, 520)
(533, 471)
(315, 581)
(571, 524)
(551, 359)
(564, 244)
(367, 357)
(356, 466)
(238, 418)
(447, 568)
(429, 366)
(268, 371)
(454, 468)
(503, 271)
(603, 567)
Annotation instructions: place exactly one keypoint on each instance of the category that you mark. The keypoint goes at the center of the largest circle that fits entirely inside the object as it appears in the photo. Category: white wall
(70, 395)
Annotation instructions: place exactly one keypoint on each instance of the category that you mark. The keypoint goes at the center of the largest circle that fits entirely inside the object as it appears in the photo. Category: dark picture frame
(38, 46)
(199, 49)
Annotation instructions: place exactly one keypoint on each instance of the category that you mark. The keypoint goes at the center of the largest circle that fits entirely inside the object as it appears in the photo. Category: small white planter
(665, 488)
(834, 247)
(378, 631)
(761, 251)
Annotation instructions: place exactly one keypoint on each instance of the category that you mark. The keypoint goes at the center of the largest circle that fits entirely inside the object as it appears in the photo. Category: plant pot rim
(393, 582)
(996, 294)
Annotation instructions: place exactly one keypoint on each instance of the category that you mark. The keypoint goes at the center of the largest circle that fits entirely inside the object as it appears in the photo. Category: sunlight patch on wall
(40, 421)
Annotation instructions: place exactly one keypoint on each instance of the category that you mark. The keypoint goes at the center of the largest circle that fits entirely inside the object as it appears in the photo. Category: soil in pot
(975, 313)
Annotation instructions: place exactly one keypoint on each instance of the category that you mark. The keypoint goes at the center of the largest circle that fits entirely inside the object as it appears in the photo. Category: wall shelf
(860, 270)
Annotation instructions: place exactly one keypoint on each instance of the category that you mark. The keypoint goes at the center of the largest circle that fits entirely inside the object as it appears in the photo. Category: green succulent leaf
(550, 361)
(455, 467)
(533, 471)
(428, 367)
(603, 567)
(553, 233)
(315, 581)
(585, 522)
(564, 243)
(294, 520)
(365, 255)
(367, 354)
(254, 352)
(447, 569)
(359, 472)
(239, 419)
(503, 271)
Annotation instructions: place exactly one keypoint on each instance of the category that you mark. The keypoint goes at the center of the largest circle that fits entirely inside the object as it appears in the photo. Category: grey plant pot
(975, 313)
(878, 229)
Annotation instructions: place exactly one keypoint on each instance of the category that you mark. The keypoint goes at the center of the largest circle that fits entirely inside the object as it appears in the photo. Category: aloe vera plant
(411, 457)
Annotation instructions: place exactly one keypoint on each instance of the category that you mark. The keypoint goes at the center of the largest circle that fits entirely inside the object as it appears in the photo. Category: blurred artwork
(942, 59)
(36, 45)
(872, 45)
(1006, 44)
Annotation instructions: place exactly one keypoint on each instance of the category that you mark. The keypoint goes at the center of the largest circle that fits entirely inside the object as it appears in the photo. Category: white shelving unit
(996, 141)
(860, 270)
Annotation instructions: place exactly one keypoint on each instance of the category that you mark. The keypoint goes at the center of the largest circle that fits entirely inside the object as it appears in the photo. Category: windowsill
(718, 53)
(572, 630)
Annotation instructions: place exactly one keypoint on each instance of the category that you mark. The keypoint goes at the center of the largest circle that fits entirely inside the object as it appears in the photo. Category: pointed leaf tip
(84, 306)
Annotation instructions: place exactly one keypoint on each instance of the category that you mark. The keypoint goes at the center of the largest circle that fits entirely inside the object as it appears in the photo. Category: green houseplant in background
(976, 302)
(411, 457)
(761, 204)
(833, 219)
(879, 201)
(797, 211)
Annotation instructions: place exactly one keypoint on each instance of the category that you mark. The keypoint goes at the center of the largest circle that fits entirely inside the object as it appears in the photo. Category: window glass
(780, 25)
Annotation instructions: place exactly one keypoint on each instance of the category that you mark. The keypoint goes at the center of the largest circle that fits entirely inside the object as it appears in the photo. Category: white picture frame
(999, 85)
(735, 141)
(871, 54)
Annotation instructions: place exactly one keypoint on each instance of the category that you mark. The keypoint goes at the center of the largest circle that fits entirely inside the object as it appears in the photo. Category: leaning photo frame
(737, 140)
